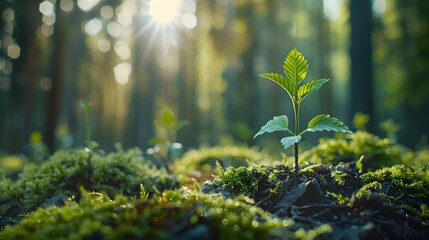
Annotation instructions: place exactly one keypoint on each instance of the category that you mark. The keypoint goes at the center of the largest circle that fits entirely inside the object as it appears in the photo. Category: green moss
(398, 184)
(198, 162)
(339, 177)
(229, 155)
(64, 173)
(377, 152)
(241, 180)
(318, 171)
(372, 185)
(340, 198)
(174, 214)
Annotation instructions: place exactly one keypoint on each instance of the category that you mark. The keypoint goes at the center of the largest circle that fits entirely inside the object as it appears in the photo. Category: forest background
(204, 65)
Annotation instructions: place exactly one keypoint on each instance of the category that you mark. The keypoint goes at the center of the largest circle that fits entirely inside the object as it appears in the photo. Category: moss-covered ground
(356, 186)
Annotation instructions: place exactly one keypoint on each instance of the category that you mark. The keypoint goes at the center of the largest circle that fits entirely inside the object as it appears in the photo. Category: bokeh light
(122, 73)
(14, 51)
(47, 8)
(163, 11)
(379, 7)
(107, 12)
(93, 26)
(87, 5)
(104, 45)
(332, 9)
(66, 5)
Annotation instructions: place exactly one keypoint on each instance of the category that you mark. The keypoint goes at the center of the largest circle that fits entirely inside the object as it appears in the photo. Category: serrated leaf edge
(295, 66)
(310, 87)
(285, 126)
(341, 127)
(282, 81)
(295, 139)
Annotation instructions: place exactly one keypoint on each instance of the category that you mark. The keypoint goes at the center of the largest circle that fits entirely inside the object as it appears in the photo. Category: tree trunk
(57, 74)
(361, 59)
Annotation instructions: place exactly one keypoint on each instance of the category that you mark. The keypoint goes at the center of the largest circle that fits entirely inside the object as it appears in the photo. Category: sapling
(86, 106)
(295, 67)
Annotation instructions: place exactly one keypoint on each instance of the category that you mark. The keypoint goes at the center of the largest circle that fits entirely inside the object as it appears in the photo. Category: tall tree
(361, 91)
(57, 68)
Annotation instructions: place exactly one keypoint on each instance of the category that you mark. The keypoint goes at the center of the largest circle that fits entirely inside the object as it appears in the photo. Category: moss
(199, 161)
(403, 181)
(64, 173)
(179, 214)
(377, 152)
(402, 185)
(241, 180)
(340, 198)
(339, 176)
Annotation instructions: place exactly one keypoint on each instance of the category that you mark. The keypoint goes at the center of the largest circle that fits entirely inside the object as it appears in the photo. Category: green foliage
(340, 198)
(288, 86)
(360, 120)
(339, 177)
(289, 141)
(390, 128)
(404, 183)
(86, 106)
(240, 180)
(181, 214)
(295, 67)
(377, 152)
(326, 123)
(279, 123)
(64, 173)
(310, 87)
(166, 150)
(197, 161)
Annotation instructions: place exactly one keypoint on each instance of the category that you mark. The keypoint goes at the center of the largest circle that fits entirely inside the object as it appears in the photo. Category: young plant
(295, 67)
(164, 145)
(86, 106)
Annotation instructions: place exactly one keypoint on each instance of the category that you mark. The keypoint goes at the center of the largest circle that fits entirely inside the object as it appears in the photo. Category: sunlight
(164, 11)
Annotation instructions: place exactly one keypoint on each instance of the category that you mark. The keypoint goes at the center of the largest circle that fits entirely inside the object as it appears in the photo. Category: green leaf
(295, 66)
(279, 123)
(307, 88)
(289, 141)
(326, 123)
(285, 83)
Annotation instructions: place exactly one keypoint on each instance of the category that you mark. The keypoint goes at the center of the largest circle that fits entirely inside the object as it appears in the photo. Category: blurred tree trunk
(53, 102)
(31, 66)
(361, 59)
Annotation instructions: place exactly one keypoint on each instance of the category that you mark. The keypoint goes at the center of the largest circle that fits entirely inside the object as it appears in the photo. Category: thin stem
(296, 164)
(296, 111)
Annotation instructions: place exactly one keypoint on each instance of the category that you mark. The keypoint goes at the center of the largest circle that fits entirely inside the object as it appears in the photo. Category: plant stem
(296, 164)
(296, 111)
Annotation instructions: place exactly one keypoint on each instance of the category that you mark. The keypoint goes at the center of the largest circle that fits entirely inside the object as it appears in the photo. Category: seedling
(165, 145)
(295, 67)
(86, 106)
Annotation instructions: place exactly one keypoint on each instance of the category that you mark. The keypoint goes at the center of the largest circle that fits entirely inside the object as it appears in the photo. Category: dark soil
(384, 213)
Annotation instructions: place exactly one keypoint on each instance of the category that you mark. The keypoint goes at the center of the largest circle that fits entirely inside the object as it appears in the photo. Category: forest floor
(355, 205)
(123, 195)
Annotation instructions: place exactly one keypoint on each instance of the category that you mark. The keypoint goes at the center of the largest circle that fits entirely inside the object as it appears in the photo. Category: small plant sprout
(167, 127)
(86, 106)
(295, 67)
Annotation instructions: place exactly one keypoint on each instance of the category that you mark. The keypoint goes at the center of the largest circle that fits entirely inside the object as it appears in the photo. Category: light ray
(163, 29)
(164, 11)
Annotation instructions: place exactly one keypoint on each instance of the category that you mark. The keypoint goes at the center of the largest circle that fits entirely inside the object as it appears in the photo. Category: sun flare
(164, 11)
